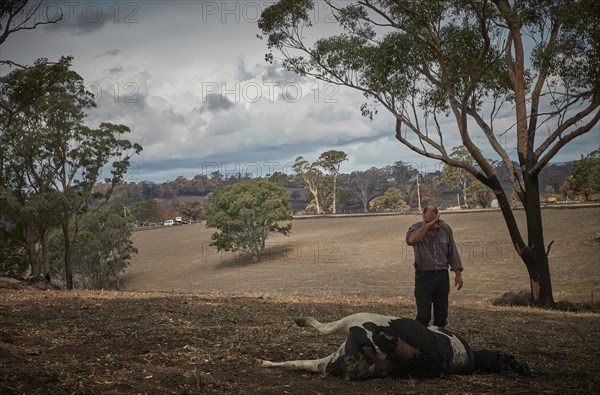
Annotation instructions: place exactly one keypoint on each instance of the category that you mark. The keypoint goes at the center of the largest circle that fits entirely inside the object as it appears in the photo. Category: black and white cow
(385, 346)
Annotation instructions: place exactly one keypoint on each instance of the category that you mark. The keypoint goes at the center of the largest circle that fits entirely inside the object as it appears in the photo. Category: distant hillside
(399, 175)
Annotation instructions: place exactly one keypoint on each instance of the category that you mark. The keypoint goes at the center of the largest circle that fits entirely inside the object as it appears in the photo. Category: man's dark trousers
(432, 287)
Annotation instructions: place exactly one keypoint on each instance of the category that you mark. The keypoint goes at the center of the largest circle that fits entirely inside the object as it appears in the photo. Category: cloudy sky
(190, 80)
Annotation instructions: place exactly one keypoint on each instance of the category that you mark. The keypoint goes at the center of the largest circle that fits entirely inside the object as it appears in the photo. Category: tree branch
(565, 125)
(562, 142)
(16, 9)
(543, 73)
(489, 133)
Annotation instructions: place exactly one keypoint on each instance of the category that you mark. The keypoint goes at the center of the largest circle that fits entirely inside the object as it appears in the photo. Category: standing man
(435, 251)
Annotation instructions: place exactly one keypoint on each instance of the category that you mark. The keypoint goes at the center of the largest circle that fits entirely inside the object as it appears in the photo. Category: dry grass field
(225, 312)
(368, 256)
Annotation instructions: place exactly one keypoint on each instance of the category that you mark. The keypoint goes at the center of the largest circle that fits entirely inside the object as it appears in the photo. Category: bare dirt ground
(57, 342)
(225, 313)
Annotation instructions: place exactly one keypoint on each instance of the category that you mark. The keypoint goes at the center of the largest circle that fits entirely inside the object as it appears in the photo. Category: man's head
(430, 213)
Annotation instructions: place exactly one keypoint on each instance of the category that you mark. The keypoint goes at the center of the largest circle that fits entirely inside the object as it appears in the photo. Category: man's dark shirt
(437, 250)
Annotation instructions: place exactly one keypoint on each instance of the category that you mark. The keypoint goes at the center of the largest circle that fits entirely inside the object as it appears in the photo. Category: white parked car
(177, 219)
(168, 222)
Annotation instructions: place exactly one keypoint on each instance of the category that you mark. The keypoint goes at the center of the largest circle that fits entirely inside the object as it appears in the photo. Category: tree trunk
(30, 247)
(315, 193)
(44, 245)
(334, 196)
(536, 258)
(533, 254)
(68, 257)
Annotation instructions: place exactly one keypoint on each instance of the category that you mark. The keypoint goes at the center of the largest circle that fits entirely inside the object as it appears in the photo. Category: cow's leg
(324, 328)
(343, 324)
(314, 365)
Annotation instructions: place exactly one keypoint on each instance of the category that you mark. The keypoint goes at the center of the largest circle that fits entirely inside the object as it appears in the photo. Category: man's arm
(455, 262)
(416, 236)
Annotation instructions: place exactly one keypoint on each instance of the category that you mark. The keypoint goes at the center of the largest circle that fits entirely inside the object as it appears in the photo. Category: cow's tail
(489, 361)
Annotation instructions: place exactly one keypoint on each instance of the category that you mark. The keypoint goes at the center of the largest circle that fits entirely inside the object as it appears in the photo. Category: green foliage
(48, 103)
(321, 178)
(281, 179)
(246, 213)
(586, 175)
(13, 260)
(479, 195)
(311, 175)
(331, 162)
(102, 252)
(392, 200)
(456, 178)
(149, 211)
(416, 56)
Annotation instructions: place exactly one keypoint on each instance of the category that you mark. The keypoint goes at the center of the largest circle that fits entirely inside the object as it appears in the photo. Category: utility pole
(418, 192)
(458, 199)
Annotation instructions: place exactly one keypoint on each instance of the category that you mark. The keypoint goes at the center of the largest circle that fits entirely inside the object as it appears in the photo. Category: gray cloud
(150, 74)
(111, 52)
(242, 73)
(276, 73)
(215, 102)
(115, 70)
(328, 114)
(174, 117)
(86, 19)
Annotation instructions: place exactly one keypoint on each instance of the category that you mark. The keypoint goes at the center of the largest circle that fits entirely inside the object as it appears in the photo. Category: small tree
(331, 161)
(478, 194)
(246, 213)
(149, 211)
(13, 260)
(586, 175)
(193, 209)
(427, 193)
(565, 188)
(102, 252)
(457, 178)
(364, 183)
(311, 176)
(391, 200)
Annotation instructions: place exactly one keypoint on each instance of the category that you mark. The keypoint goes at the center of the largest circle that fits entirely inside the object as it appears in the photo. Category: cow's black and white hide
(385, 346)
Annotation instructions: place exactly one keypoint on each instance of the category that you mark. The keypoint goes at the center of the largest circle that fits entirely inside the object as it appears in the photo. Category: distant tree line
(311, 187)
